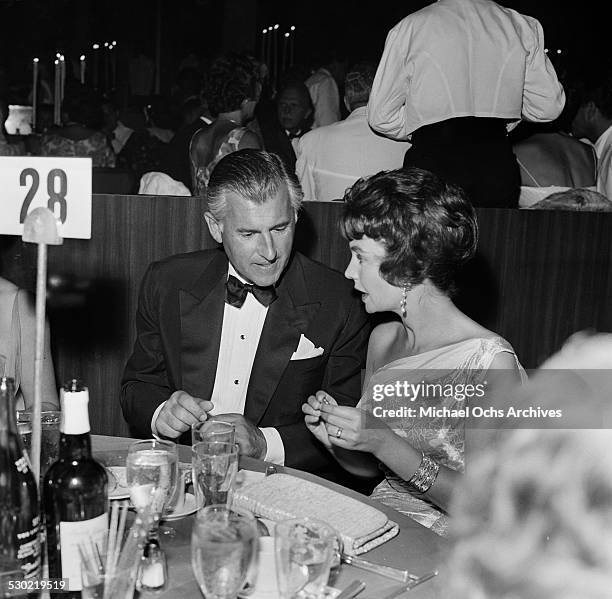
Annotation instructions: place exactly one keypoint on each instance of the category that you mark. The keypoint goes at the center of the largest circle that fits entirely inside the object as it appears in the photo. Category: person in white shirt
(324, 90)
(246, 333)
(332, 158)
(593, 122)
(452, 76)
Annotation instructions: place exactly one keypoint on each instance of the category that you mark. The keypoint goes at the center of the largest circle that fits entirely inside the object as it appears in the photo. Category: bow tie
(236, 292)
(293, 135)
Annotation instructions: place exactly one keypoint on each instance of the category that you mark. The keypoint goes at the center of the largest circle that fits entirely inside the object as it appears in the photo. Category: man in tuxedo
(282, 127)
(247, 333)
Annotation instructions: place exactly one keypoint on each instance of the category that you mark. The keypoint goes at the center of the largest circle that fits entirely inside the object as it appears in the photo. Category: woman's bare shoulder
(8, 291)
(383, 339)
(6, 285)
(387, 343)
(386, 331)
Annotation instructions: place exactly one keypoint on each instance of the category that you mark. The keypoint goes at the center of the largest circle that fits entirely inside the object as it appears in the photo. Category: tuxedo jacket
(276, 140)
(179, 320)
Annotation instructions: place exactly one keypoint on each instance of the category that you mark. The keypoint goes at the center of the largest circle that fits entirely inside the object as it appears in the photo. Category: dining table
(416, 548)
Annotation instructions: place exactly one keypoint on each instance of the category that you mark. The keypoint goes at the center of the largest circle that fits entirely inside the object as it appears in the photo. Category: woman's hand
(312, 416)
(353, 428)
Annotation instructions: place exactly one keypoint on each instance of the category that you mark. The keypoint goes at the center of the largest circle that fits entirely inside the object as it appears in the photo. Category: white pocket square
(306, 349)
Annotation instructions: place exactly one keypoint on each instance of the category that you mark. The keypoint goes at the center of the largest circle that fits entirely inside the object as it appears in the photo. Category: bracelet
(425, 475)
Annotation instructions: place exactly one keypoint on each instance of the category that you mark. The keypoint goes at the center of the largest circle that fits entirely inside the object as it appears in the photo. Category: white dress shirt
(240, 335)
(603, 149)
(121, 134)
(294, 139)
(332, 158)
(457, 58)
(325, 98)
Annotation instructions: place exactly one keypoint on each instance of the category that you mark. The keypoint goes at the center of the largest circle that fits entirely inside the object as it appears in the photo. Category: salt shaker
(153, 570)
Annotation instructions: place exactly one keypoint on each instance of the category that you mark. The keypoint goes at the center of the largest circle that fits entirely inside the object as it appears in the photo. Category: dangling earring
(403, 302)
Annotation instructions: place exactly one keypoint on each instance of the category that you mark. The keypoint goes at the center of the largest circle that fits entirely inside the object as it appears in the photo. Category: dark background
(31, 28)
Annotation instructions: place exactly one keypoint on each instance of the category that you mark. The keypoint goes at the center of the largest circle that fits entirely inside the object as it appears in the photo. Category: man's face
(257, 238)
(293, 109)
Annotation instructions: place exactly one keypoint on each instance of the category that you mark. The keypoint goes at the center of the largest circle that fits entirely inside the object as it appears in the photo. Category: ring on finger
(339, 433)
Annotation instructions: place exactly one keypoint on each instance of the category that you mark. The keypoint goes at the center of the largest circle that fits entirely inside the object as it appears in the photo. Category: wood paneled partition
(94, 284)
(538, 277)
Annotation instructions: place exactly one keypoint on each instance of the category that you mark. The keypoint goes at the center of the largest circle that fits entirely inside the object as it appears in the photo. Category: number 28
(55, 197)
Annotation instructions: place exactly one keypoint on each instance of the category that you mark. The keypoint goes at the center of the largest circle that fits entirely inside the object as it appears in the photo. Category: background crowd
(510, 138)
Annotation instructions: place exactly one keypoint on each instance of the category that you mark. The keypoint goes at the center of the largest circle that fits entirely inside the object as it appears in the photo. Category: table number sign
(61, 184)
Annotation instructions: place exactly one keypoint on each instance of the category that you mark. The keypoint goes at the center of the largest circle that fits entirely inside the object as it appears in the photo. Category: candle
(285, 54)
(82, 63)
(106, 67)
(34, 92)
(95, 48)
(275, 53)
(111, 80)
(291, 42)
(56, 92)
(269, 51)
(62, 78)
(114, 63)
(263, 45)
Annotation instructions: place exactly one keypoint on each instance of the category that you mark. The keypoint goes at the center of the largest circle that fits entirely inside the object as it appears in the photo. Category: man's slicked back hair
(255, 175)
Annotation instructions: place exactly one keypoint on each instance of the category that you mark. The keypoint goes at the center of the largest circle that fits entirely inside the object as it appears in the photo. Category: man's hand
(250, 439)
(180, 411)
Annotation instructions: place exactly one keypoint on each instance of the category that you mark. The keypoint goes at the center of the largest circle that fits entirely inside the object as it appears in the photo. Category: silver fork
(413, 583)
(388, 571)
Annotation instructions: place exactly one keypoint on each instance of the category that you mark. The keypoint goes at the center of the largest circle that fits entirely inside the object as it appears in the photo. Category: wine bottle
(20, 553)
(75, 493)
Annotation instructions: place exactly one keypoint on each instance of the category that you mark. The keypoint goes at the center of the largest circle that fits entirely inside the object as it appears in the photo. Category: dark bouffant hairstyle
(427, 226)
(230, 80)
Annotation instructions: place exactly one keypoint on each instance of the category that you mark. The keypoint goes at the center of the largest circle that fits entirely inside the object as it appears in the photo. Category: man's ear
(214, 226)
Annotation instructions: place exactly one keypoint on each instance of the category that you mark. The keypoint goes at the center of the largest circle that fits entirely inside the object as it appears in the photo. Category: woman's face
(364, 270)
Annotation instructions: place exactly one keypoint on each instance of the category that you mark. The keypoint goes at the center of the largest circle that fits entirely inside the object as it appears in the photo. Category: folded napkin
(281, 496)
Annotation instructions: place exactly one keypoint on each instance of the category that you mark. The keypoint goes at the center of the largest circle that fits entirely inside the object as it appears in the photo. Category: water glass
(49, 436)
(152, 474)
(304, 554)
(97, 581)
(223, 549)
(213, 430)
(214, 466)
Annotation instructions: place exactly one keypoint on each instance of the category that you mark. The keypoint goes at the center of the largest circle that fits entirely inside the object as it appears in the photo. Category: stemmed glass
(223, 550)
(152, 474)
